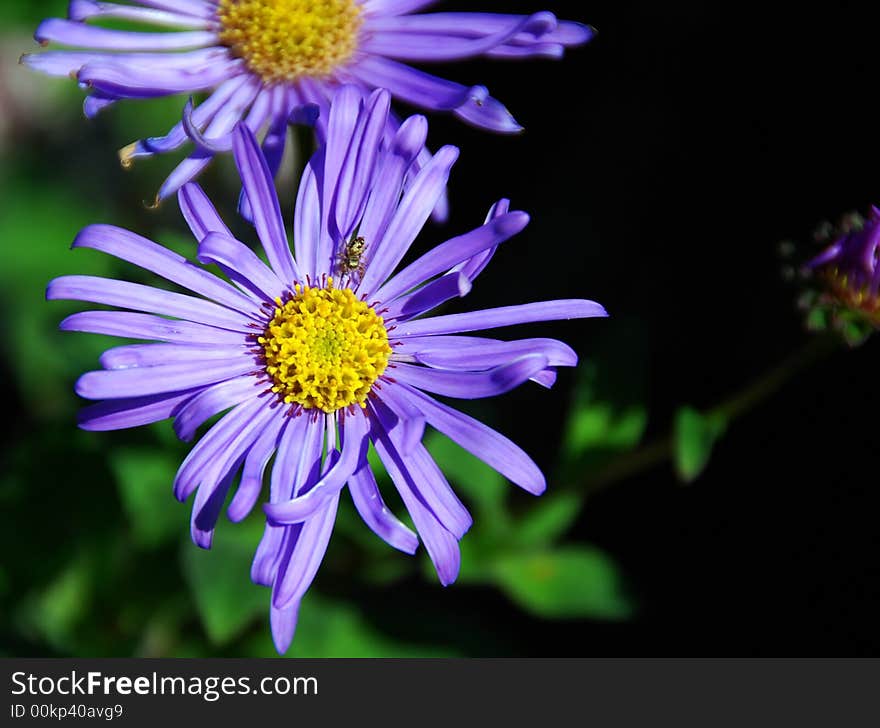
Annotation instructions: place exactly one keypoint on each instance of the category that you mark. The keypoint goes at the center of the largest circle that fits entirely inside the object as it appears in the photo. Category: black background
(662, 164)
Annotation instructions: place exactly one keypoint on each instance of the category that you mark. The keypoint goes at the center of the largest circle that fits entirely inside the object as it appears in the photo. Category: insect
(351, 258)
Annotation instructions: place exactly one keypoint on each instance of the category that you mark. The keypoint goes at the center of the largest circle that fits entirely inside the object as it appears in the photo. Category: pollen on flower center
(284, 40)
(324, 348)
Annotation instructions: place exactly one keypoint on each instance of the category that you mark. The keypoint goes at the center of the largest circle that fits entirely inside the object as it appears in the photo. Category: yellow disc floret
(285, 40)
(324, 348)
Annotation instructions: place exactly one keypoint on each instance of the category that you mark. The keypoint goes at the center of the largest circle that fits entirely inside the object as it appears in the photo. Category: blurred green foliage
(695, 436)
(98, 561)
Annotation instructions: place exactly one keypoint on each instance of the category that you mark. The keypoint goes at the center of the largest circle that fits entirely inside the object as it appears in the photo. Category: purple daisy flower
(263, 60)
(850, 267)
(320, 352)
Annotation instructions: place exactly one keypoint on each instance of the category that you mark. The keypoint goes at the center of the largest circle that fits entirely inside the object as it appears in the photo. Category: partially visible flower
(264, 60)
(317, 354)
(848, 273)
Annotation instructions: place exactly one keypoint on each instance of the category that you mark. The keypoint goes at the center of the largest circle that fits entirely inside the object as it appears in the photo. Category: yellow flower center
(324, 348)
(285, 40)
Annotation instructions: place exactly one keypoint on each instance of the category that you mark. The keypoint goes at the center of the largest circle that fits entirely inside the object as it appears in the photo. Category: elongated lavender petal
(395, 7)
(408, 141)
(260, 188)
(471, 352)
(441, 545)
(409, 428)
(206, 509)
(357, 171)
(353, 453)
(71, 33)
(473, 104)
(80, 10)
(428, 297)
(140, 382)
(199, 213)
(498, 317)
(145, 326)
(297, 570)
(283, 624)
(452, 252)
(220, 472)
(211, 401)
(489, 446)
(404, 39)
(151, 355)
(472, 385)
(254, 470)
(433, 489)
(372, 509)
(344, 115)
(212, 446)
(197, 8)
(409, 218)
(121, 414)
(474, 266)
(241, 264)
(145, 298)
(124, 78)
(146, 254)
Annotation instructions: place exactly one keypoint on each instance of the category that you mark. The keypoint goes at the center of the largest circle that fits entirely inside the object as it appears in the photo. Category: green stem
(732, 408)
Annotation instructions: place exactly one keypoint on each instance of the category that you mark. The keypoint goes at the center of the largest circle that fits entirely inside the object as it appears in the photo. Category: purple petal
(441, 545)
(298, 566)
(72, 33)
(157, 259)
(254, 470)
(214, 445)
(353, 453)
(199, 213)
(471, 352)
(428, 297)
(498, 317)
(80, 10)
(211, 401)
(283, 623)
(481, 441)
(472, 385)
(120, 414)
(408, 141)
(357, 171)
(438, 37)
(145, 298)
(151, 355)
(452, 252)
(141, 382)
(144, 326)
(372, 509)
(409, 428)
(240, 264)
(409, 218)
(473, 104)
(433, 488)
(260, 188)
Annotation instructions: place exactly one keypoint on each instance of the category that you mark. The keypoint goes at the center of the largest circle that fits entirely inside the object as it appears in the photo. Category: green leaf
(55, 611)
(569, 582)
(547, 519)
(219, 580)
(695, 436)
(144, 479)
(607, 415)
